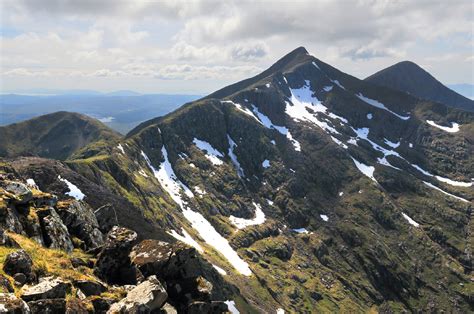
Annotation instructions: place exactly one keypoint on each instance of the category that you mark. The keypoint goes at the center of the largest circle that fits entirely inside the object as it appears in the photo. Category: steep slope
(310, 190)
(58, 136)
(409, 77)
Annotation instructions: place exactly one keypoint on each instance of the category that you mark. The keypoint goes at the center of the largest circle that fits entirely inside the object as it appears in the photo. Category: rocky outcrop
(81, 222)
(113, 264)
(47, 288)
(148, 296)
(48, 306)
(89, 287)
(55, 232)
(21, 191)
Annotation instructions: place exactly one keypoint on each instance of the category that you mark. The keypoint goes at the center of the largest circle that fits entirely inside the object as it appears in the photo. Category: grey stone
(47, 288)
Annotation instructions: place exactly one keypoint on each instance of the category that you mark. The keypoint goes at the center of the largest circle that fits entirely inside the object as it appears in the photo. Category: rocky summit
(300, 190)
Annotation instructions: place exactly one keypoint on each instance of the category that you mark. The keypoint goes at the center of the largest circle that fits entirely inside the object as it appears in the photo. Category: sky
(196, 46)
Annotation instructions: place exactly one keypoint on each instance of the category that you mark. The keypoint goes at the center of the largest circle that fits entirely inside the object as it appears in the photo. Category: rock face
(6, 240)
(106, 217)
(19, 262)
(48, 288)
(81, 222)
(55, 232)
(9, 303)
(113, 264)
(144, 298)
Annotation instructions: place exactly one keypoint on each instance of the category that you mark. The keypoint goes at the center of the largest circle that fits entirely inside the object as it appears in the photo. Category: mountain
(57, 135)
(409, 77)
(307, 189)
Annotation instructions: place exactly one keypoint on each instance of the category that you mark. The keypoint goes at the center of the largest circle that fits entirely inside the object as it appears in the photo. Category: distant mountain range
(306, 189)
(121, 110)
(408, 77)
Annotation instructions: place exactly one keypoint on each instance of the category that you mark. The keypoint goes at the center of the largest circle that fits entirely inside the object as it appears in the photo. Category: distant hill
(122, 110)
(58, 135)
(411, 78)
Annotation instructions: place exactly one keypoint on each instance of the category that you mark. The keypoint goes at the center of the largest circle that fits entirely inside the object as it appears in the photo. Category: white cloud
(175, 39)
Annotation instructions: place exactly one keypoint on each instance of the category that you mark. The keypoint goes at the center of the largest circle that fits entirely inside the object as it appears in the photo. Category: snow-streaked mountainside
(408, 77)
(307, 189)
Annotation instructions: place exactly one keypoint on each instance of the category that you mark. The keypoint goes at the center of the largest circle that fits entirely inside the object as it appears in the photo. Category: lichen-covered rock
(187, 290)
(47, 288)
(198, 307)
(81, 222)
(151, 256)
(148, 296)
(48, 306)
(55, 233)
(9, 303)
(113, 264)
(19, 262)
(89, 287)
(21, 191)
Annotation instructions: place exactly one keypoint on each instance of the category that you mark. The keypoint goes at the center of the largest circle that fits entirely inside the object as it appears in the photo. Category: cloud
(248, 53)
(366, 53)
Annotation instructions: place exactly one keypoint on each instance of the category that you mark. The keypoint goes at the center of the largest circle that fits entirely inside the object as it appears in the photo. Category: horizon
(180, 48)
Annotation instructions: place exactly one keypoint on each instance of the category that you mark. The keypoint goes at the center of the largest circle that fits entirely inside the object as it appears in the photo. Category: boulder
(165, 260)
(113, 263)
(9, 303)
(47, 288)
(55, 233)
(144, 298)
(48, 306)
(81, 222)
(5, 284)
(19, 262)
(21, 191)
(89, 287)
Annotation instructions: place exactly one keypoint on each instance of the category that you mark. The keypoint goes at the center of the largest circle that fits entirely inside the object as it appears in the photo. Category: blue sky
(175, 46)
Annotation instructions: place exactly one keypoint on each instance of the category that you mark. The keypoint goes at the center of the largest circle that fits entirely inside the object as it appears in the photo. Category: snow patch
(233, 157)
(338, 84)
(219, 270)
(241, 108)
(170, 182)
(31, 183)
(300, 230)
(142, 172)
(317, 67)
(73, 190)
(327, 88)
(281, 129)
(241, 223)
(199, 191)
(119, 146)
(410, 145)
(446, 193)
(366, 170)
(410, 221)
(106, 119)
(273, 142)
(324, 217)
(443, 179)
(186, 238)
(391, 144)
(231, 307)
(379, 105)
(210, 152)
(453, 129)
(266, 163)
(369, 116)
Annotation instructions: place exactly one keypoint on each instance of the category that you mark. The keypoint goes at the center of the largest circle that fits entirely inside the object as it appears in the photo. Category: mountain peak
(409, 77)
